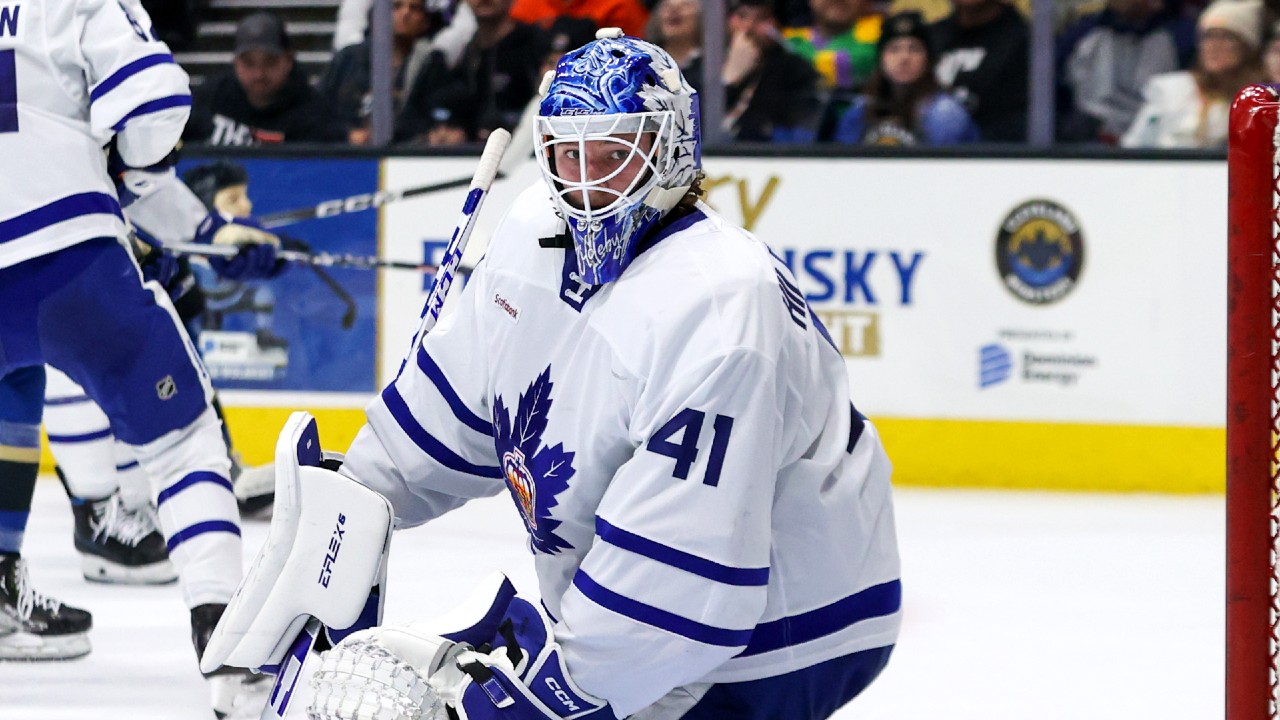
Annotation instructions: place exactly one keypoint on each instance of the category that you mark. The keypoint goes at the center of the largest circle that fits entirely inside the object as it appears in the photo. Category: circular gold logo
(1040, 252)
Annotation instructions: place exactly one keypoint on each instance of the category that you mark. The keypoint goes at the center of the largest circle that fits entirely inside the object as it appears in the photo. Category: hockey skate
(237, 694)
(118, 545)
(34, 626)
(255, 490)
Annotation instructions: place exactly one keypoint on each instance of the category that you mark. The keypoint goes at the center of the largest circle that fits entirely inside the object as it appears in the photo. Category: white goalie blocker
(325, 551)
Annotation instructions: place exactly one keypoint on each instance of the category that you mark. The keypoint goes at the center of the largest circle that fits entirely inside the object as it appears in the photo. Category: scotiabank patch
(507, 307)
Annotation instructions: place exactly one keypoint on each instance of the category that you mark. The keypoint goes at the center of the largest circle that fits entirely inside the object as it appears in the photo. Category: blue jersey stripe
(660, 619)
(153, 106)
(875, 601)
(459, 408)
(688, 562)
(72, 400)
(201, 528)
(127, 72)
(202, 476)
(67, 208)
(428, 444)
(82, 438)
(127, 466)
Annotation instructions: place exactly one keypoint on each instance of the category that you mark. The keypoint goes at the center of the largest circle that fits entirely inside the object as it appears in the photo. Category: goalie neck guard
(629, 94)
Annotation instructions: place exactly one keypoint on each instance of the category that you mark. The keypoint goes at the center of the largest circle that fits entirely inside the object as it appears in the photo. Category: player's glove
(258, 256)
(159, 266)
(258, 261)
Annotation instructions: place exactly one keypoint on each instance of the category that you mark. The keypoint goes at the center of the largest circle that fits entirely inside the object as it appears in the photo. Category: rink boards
(1012, 323)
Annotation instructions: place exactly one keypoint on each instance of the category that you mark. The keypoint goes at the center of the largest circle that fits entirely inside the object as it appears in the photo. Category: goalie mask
(618, 142)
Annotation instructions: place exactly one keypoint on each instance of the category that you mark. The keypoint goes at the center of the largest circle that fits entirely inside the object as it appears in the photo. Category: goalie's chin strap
(563, 241)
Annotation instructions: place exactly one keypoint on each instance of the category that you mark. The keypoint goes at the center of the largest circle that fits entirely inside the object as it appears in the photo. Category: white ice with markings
(1017, 605)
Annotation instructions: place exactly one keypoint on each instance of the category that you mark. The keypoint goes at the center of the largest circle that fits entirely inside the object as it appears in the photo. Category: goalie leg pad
(325, 549)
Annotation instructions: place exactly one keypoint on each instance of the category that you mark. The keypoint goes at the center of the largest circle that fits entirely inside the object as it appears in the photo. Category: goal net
(1253, 410)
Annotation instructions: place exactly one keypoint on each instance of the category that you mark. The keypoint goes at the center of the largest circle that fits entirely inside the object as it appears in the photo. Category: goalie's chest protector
(569, 365)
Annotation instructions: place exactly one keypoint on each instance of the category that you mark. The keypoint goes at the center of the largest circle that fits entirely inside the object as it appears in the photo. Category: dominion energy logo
(1040, 252)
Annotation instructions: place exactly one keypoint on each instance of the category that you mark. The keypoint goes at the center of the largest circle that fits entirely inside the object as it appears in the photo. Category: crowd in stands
(1132, 73)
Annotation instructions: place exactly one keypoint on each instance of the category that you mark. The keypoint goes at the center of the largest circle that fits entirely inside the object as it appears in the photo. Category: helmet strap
(663, 199)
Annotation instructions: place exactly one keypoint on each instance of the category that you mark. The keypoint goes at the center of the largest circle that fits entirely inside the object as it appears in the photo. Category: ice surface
(1017, 606)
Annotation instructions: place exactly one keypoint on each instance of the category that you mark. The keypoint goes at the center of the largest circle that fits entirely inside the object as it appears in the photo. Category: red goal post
(1253, 333)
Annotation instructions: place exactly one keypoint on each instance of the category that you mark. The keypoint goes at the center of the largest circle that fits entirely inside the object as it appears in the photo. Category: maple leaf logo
(535, 472)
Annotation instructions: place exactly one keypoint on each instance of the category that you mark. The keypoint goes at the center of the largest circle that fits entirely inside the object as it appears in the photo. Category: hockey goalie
(710, 516)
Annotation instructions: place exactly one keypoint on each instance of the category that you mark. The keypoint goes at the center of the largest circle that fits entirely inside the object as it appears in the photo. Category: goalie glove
(505, 665)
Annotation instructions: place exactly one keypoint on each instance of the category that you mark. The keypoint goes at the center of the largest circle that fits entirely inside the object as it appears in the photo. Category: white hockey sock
(189, 471)
(80, 438)
(135, 487)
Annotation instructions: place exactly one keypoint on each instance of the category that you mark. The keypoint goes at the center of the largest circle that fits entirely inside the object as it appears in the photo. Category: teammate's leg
(32, 626)
(116, 530)
(123, 343)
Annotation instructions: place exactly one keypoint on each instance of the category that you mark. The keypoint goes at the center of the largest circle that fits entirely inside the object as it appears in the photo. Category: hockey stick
(362, 262)
(359, 262)
(354, 203)
(486, 170)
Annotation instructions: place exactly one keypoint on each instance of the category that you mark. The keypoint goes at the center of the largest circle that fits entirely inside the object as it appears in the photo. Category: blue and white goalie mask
(618, 142)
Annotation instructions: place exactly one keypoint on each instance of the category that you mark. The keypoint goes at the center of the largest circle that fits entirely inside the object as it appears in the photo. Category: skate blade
(27, 647)
(96, 569)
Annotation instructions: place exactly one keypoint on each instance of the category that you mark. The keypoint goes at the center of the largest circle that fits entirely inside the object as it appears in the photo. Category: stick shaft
(365, 262)
(486, 171)
(354, 203)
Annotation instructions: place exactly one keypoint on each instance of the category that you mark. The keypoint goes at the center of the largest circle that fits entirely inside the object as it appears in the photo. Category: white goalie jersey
(73, 74)
(703, 502)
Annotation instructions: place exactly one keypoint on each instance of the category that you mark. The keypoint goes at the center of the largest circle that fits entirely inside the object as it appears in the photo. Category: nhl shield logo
(166, 388)
(521, 483)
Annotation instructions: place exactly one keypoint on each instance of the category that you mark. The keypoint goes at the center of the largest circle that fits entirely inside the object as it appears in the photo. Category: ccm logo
(564, 697)
(335, 544)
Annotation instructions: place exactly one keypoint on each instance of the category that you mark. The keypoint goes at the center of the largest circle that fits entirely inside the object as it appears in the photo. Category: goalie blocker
(324, 562)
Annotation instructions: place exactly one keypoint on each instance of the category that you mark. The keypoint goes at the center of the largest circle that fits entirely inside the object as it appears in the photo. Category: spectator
(347, 82)
(1271, 57)
(264, 98)
(353, 25)
(1191, 108)
(565, 34)
(676, 26)
(771, 94)
(841, 43)
(1065, 11)
(1105, 58)
(982, 59)
(630, 15)
(495, 77)
(903, 104)
(841, 46)
(793, 13)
